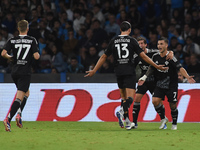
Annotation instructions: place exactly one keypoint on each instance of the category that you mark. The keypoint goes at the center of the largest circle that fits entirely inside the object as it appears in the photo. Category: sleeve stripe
(174, 59)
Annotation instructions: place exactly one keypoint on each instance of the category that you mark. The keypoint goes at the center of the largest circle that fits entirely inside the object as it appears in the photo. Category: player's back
(22, 49)
(123, 48)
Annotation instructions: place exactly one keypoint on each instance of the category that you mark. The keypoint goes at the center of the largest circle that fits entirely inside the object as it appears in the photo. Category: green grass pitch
(99, 136)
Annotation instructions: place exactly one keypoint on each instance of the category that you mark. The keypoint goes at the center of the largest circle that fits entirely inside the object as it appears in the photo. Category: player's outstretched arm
(185, 74)
(100, 62)
(6, 55)
(149, 61)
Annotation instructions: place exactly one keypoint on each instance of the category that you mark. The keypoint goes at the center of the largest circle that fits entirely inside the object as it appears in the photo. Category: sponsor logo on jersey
(166, 63)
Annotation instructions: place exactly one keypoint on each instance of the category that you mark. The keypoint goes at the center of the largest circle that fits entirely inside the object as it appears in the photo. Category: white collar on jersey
(22, 35)
(123, 35)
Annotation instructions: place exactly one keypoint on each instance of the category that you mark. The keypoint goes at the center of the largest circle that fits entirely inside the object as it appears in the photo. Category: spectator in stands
(112, 28)
(177, 15)
(79, 19)
(103, 48)
(45, 62)
(88, 20)
(195, 18)
(107, 9)
(10, 23)
(179, 53)
(194, 64)
(57, 29)
(69, 12)
(193, 34)
(91, 58)
(2, 42)
(74, 66)
(87, 41)
(191, 47)
(69, 46)
(135, 17)
(188, 19)
(5, 34)
(161, 32)
(99, 34)
(93, 32)
(40, 10)
(123, 17)
(187, 9)
(98, 13)
(173, 43)
(41, 44)
(63, 18)
(153, 37)
(137, 33)
(44, 32)
(47, 7)
(57, 60)
(50, 20)
(151, 11)
(34, 31)
(186, 31)
(196, 5)
(34, 16)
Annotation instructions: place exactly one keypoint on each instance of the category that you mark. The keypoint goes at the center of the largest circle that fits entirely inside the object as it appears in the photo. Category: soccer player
(123, 48)
(24, 48)
(166, 83)
(150, 83)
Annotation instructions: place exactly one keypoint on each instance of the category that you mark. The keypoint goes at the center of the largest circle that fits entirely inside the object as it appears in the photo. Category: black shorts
(170, 93)
(150, 85)
(126, 81)
(22, 82)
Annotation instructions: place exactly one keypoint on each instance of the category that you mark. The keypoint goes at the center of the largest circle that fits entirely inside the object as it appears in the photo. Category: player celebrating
(123, 48)
(166, 83)
(23, 48)
(150, 83)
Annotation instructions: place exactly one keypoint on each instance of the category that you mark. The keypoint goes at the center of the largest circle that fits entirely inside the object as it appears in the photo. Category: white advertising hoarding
(92, 102)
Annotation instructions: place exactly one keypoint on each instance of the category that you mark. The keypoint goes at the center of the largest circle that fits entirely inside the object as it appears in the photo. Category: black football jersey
(22, 49)
(166, 78)
(123, 49)
(143, 64)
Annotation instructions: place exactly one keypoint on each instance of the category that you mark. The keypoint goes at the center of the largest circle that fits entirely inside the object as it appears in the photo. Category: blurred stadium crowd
(73, 34)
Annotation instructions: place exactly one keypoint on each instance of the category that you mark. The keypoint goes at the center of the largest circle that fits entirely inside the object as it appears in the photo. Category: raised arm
(149, 61)
(100, 62)
(185, 74)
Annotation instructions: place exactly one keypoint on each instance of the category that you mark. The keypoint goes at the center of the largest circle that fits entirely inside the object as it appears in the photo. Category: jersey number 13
(120, 48)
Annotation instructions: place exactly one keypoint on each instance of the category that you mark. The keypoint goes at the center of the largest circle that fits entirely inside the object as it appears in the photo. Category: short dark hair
(125, 25)
(142, 38)
(165, 39)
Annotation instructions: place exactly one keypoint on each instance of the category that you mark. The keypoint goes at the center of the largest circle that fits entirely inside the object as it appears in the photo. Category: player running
(24, 48)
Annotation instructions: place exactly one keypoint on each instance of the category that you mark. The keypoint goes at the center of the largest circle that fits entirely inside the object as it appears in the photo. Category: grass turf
(99, 136)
